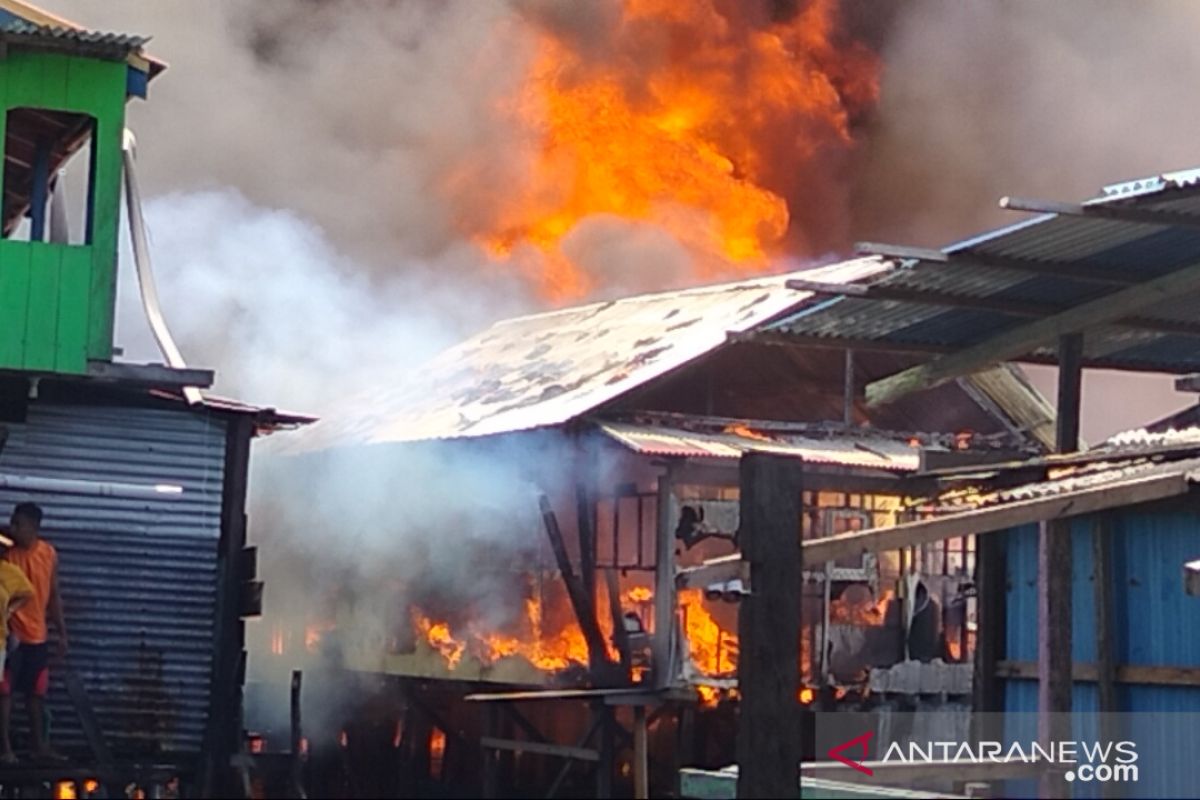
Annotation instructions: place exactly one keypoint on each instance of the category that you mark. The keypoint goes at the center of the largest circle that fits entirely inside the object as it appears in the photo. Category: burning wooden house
(142, 478)
(628, 418)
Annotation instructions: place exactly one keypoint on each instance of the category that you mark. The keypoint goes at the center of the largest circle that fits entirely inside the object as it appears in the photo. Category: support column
(768, 733)
(1055, 569)
(664, 585)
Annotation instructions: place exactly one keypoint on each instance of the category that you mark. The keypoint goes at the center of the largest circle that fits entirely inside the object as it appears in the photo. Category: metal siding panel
(1161, 623)
(138, 576)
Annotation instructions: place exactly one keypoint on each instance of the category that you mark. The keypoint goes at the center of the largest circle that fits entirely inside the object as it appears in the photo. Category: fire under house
(694, 435)
(142, 477)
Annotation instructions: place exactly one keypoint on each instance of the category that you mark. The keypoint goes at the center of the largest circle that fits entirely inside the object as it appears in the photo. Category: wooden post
(848, 389)
(768, 733)
(1106, 669)
(664, 586)
(297, 771)
(1070, 385)
(641, 760)
(1055, 571)
(585, 610)
(991, 591)
(607, 750)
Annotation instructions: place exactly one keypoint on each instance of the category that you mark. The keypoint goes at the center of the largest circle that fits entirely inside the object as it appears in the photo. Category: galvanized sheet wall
(1156, 623)
(138, 577)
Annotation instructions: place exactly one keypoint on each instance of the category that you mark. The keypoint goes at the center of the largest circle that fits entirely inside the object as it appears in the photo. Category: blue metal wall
(138, 577)
(1155, 623)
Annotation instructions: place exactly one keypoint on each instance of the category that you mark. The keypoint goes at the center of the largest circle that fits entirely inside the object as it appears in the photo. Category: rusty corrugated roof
(734, 441)
(547, 369)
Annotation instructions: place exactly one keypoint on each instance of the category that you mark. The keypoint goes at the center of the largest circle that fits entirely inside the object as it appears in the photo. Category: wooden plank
(1122, 213)
(825, 287)
(986, 520)
(87, 717)
(715, 570)
(14, 301)
(74, 282)
(768, 726)
(1016, 342)
(41, 327)
(541, 748)
(663, 637)
(1088, 672)
(557, 694)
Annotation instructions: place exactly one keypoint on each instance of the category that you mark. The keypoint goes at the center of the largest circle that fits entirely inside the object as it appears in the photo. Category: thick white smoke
(982, 99)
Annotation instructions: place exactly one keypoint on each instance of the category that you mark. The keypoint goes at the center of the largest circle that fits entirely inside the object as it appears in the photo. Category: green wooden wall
(57, 300)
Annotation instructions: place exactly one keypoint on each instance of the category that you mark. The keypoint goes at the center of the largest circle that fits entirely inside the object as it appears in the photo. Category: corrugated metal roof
(547, 369)
(865, 451)
(122, 43)
(138, 575)
(1104, 247)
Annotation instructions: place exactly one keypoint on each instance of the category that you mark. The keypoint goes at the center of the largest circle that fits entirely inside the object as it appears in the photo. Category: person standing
(28, 667)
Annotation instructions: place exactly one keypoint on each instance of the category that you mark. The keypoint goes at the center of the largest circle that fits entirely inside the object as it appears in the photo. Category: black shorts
(27, 670)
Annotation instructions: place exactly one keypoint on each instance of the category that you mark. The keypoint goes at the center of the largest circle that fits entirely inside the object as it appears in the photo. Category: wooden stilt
(768, 734)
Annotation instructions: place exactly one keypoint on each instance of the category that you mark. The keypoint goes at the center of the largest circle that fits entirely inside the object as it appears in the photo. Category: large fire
(694, 118)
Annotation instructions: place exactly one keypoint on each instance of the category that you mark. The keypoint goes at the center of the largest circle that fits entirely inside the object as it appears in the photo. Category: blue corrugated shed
(1155, 623)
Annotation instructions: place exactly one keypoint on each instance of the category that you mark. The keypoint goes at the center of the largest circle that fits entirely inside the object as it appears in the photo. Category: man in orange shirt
(27, 670)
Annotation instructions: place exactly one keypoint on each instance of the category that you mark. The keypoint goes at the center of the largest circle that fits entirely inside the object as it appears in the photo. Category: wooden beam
(768, 725)
(1087, 672)
(585, 613)
(1016, 342)
(1119, 213)
(784, 339)
(661, 643)
(994, 518)
(150, 374)
(825, 287)
(715, 570)
(541, 748)
(991, 578)
(1070, 384)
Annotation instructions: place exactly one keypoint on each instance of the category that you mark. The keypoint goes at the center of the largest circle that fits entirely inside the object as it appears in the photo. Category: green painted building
(63, 92)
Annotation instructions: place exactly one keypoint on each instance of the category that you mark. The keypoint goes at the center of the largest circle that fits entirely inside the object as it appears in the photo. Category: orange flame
(679, 124)
(713, 650)
(845, 611)
(739, 429)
